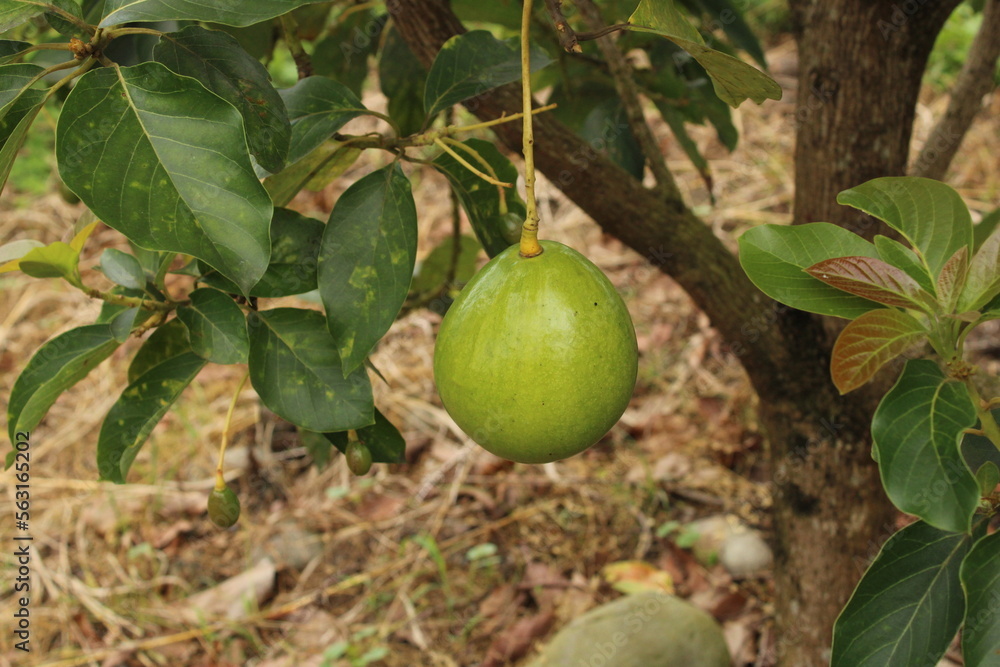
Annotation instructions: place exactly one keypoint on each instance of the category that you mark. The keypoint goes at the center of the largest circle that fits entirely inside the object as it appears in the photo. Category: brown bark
(831, 513)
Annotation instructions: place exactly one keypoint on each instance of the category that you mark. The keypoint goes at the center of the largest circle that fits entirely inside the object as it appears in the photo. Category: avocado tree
(172, 132)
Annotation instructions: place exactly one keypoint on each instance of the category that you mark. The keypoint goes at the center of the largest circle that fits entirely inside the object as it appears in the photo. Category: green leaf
(675, 120)
(908, 606)
(481, 200)
(162, 160)
(382, 439)
(166, 342)
(366, 262)
(56, 260)
(929, 214)
(122, 268)
(595, 112)
(218, 61)
(14, 13)
(501, 12)
(122, 323)
(983, 282)
(11, 49)
(55, 367)
(19, 105)
(295, 243)
(774, 257)
(988, 476)
(138, 410)
(868, 343)
(228, 13)
(343, 54)
(403, 79)
(63, 25)
(977, 450)
(471, 64)
(733, 79)
(731, 20)
(216, 327)
(916, 431)
(296, 371)
(315, 171)
(433, 271)
(897, 254)
(319, 448)
(981, 580)
(873, 279)
(11, 252)
(317, 108)
(987, 226)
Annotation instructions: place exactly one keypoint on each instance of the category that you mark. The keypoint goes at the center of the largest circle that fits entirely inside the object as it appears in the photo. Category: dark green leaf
(382, 439)
(916, 431)
(908, 606)
(595, 112)
(216, 327)
(55, 367)
(774, 257)
(138, 410)
(296, 371)
(166, 342)
(122, 323)
(403, 79)
(295, 243)
(122, 268)
(228, 13)
(314, 172)
(471, 64)
(165, 162)
(63, 25)
(19, 105)
(929, 214)
(217, 60)
(481, 200)
(726, 16)
(366, 262)
(318, 107)
(868, 343)
(733, 79)
(343, 54)
(988, 476)
(11, 49)
(897, 254)
(675, 119)
(977, 450)
(433, 271)
(981, 581)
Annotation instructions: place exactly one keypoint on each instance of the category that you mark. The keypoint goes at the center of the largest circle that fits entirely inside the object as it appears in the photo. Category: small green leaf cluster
(935, 438)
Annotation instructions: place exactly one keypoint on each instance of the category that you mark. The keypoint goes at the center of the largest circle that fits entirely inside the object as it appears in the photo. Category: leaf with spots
(366, 262)
(57, 365)
(296, 371)
(218, 61)
(140, 408)
(164, 161)
(216, 327)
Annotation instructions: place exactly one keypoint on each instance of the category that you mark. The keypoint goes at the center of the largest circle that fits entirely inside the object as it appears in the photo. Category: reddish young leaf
(952, 278)
(872, 279)
(870, 342)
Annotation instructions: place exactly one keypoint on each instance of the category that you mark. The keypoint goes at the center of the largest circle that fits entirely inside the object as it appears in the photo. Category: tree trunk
(831, 514)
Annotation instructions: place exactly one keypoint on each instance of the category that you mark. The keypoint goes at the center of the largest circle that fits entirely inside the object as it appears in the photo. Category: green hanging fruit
(536, 360)
(359, 458)
(223, 507)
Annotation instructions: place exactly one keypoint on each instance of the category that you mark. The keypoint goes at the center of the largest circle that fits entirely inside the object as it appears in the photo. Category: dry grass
(443, 561)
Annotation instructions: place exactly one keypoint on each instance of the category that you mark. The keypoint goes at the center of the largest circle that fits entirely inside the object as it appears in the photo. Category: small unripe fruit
(359, 458)
(223, 507)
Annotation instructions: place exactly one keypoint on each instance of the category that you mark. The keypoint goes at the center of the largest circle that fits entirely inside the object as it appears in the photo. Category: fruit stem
(529, 232)
(225, 434)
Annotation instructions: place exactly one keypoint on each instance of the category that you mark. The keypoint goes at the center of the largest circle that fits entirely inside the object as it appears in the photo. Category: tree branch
(660, 228)
(974, 82)
(621, 72)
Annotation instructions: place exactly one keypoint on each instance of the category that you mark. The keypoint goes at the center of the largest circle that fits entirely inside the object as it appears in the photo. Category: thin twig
(567, 36)
(622, 74)
(468, 165)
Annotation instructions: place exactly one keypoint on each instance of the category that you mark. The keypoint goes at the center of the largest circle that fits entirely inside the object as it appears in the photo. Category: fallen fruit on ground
(536, 360)
(223, 507)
